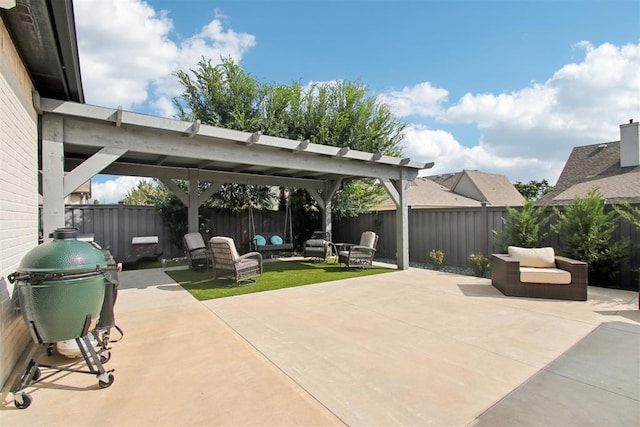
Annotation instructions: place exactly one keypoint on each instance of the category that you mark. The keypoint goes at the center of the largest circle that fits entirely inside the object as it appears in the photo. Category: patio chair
(197, 252)
(360, 255)
(227, 262)
(318, 246)
(539, 273)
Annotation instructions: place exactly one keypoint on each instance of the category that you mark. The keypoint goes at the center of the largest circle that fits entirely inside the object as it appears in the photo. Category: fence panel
(113, 226)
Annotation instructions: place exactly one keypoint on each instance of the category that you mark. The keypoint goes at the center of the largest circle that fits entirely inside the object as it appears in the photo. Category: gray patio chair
(227, 262)
(360, 255)
(318, 246)
(197, 253)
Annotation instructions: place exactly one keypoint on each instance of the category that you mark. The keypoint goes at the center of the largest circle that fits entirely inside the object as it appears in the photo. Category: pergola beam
(98, 135)
(90, 167)
(170, 172)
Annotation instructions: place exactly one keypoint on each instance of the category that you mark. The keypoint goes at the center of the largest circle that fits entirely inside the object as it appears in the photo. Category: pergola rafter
(84, 140)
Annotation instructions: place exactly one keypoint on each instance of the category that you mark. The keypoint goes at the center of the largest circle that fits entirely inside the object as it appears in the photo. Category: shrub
(523, 227)
(480, 264)
(586, 234)
(437, 258)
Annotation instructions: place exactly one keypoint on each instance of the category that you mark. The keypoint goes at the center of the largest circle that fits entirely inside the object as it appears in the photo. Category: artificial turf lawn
(276, 275)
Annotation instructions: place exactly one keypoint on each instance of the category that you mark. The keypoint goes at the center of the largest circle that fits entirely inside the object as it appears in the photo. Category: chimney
(629, 144)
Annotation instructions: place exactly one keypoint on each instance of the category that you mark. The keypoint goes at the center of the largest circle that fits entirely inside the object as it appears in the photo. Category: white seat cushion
(316, 242)
(144, 240)
(547, 276)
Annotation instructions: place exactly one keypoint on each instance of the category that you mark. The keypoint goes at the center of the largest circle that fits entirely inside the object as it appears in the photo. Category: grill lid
(64, 256)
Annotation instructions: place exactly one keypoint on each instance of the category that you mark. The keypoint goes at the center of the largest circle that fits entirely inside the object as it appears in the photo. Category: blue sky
(504, 87)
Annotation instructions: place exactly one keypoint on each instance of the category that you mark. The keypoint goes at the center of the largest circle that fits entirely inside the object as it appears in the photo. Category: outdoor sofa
(539, 273)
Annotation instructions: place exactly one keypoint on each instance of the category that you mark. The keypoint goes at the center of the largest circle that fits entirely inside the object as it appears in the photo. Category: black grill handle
(52, 276)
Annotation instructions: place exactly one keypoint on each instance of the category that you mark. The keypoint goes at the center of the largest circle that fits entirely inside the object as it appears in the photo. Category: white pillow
(533, 257)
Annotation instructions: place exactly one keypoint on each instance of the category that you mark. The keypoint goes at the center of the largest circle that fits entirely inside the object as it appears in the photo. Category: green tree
(523, 227)
(146, 193)
(533, 190)
(629, 213)
(238, 197)
(339, 114)
(586, 234)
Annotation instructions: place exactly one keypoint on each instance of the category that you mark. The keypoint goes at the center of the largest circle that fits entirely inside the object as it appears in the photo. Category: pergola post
(52, 174)
(330, 189)
(402, 223)
(397, 190)
(191, 198)
(193, 205)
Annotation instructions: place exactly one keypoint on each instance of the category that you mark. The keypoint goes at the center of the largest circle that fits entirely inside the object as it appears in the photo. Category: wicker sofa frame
(505, 276)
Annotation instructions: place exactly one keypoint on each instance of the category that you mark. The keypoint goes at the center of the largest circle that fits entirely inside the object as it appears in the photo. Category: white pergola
(80, 141)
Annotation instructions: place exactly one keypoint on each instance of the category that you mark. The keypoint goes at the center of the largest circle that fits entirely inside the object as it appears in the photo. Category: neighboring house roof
(492, 188)
(44, 33)
(596, 165)
(423, 193)
(461, 189)
(447, 179)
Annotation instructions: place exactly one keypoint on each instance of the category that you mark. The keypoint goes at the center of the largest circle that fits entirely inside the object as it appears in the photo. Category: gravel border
(455, 269)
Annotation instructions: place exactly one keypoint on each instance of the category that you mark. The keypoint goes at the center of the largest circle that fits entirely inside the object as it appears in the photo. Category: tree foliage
(533, 190)
(523, 227)
(238, 197)
(586, 234)
(339, 114)
(629, 213)
(146, 193)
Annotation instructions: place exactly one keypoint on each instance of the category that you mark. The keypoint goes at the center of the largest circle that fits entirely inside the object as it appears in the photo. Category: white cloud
(114, 190)
(128, 58)
(451, 156)
(422, 100)
(528, 134)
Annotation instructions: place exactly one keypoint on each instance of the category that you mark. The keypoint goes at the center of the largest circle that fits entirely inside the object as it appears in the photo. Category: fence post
(484, 219)
(119, 226)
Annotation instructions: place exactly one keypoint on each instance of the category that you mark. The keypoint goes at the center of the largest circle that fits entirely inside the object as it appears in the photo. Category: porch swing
(270, 242)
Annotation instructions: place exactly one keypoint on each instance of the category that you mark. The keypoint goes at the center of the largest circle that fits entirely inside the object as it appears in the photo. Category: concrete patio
(414, 347)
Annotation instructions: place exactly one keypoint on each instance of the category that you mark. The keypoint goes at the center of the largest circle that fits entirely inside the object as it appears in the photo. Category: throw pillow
(276, 240)
(259, 240)
(533, 257)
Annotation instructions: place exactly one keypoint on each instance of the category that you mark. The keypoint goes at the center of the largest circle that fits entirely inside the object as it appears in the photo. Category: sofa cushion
(368, 238)
(548, 276)
(316, 242)
(533, 257)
